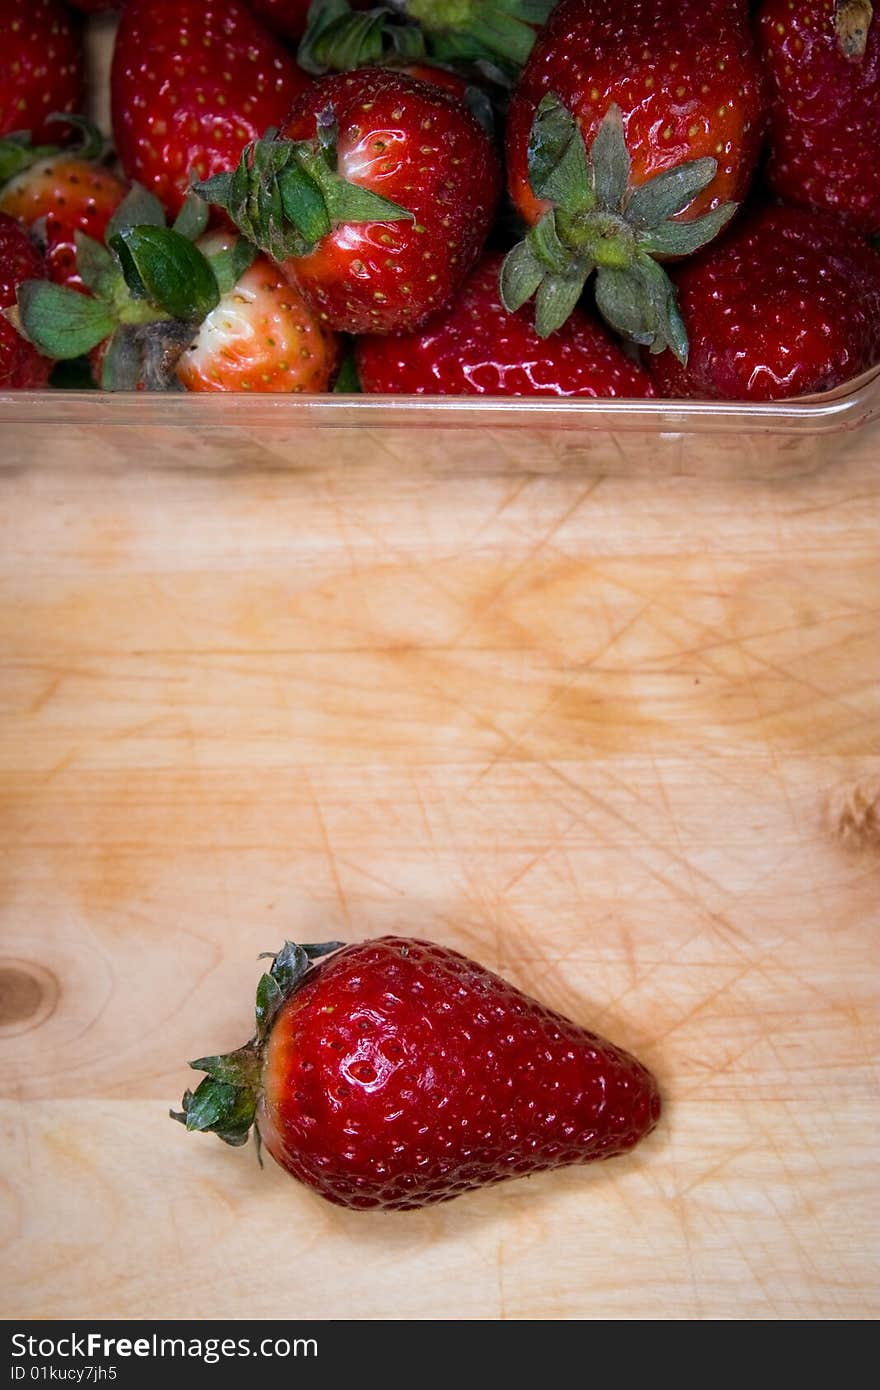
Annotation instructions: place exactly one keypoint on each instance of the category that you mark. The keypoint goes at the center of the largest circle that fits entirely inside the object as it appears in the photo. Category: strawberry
(398, 1073)
(786, 305)
(667, 99)
(193, 81)
(823, 57)
(143, 294)
(21, 366)
(57, 193)
(477, 348)
(41, 65)
(260, 336)
(378, 196)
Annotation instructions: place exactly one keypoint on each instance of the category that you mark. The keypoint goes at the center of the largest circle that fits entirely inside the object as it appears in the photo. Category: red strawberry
(477, 348)
(683, 72)
(64, 194)
(260, 337)
(786, 305)
(193, 81)
(401, 184)
(41, 65)
(21, 366)
(823, 57)
(632, 134)
(399, 1073)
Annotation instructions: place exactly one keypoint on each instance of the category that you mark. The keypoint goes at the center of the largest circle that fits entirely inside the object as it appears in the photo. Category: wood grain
(615, 737)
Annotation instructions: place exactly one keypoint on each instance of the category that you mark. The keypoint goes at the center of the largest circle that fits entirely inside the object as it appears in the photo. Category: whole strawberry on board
(823, 57)
(786, 305)
(632, 135)
(378, 196)
(22, 367)
(260, 336)
(192, 82)
(41, 65)
(478, 348)
(59, 192)
(396, 1073)
(492, 36)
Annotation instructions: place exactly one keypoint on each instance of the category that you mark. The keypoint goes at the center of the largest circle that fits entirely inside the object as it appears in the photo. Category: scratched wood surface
(614, 737)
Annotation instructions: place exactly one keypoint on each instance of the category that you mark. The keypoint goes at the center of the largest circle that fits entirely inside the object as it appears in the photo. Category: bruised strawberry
(58, 195)
(398, 1073)
(22, 367)
(786, 305)
(261, 336)
(41, 65)
(477, 348)
(823, 57)
(378, 197)
(192, 83)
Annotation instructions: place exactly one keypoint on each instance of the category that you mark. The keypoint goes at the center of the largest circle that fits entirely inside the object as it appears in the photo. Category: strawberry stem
(225, 1101)
(599, 223)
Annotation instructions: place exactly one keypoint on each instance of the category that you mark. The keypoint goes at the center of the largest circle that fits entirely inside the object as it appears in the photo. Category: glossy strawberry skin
(417, 145)
(786, 305)
(260, 337)
(400, 1073)
(41, 66)
(683, 72)
(825, 111)
(65, 195)
(477, 348)
(21, 367)
(193, 82)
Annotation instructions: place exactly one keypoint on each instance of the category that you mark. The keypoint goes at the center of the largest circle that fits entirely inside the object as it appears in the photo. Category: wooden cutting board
(615, 738)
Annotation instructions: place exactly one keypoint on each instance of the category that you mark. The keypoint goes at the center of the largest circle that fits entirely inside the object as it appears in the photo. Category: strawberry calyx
(852, 21)
(599, 224)
(17, 152)
(148, 289)
(495, 35)
(285, 196)
(225, 1101)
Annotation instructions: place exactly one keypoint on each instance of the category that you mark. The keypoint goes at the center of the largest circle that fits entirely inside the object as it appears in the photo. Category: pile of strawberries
(463, 197)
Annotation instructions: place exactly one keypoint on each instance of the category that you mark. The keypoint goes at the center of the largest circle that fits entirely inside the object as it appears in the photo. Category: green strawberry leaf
(98, 270)
(304, 204)
(555, 300)
(164, 268)
(669, 193)
(557, 157)
(139, 208)
(521, 274)
(60, 322)
(684, 238)
(192, 219)
(230, 264)
(17, 153)
(269, 1000)
(624, 301)
(610, 159)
